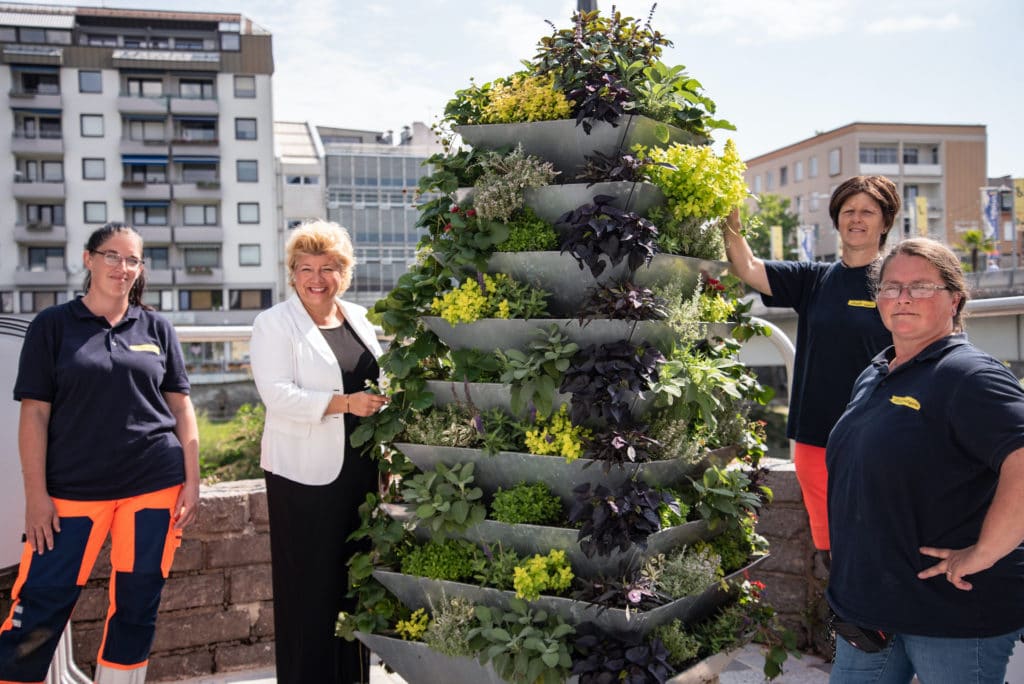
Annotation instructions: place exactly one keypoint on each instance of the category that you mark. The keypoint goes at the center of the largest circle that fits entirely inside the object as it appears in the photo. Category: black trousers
(308, 551)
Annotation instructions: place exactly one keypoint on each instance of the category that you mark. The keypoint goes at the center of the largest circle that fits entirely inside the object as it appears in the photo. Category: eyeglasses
(916, 290)
(114, 259)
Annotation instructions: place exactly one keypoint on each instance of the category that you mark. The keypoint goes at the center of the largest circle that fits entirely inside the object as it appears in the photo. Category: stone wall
(216, 613)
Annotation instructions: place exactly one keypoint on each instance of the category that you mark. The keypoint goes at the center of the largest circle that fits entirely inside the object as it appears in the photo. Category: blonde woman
(311, 358)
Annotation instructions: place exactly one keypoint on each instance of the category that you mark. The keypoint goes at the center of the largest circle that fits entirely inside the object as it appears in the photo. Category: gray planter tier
(417, 663)
(486, 395)
(550, 202)
(506, 469)
(527, 540)
(567, 145)
(558, 273)
(664, 268)
(422, 592)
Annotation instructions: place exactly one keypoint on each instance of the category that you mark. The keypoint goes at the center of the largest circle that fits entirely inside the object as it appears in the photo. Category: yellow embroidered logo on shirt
(909, 402)
(862, 303)
(148, 347)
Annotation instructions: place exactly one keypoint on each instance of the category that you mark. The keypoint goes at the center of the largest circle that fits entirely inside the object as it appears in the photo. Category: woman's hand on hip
(41, 522)
(955, 565)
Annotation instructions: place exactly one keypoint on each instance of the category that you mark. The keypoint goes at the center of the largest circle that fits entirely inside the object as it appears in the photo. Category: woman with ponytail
(109, 445)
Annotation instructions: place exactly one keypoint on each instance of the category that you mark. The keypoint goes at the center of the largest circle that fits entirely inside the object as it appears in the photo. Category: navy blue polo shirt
(111, 433)
(838, 333)
(914, 461)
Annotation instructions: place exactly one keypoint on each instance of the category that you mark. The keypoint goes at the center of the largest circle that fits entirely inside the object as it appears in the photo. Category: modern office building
(162, 119)
(939, 169)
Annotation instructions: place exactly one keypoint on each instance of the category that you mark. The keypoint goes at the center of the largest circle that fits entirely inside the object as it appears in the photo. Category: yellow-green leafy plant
(490, 296)
(413, 628)
(524, 98)
(538, 574)
(557, 436)
(696, 182)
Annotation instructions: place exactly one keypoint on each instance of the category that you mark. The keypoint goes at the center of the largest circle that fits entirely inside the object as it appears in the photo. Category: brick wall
(216, 613)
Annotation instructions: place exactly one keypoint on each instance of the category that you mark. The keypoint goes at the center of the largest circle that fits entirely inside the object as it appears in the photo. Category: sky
(779, 70)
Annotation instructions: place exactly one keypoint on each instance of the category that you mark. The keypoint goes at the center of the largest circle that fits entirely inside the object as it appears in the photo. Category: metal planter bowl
(422, 592)
(482, 395)
(511, 333)
(567, 145)
(664, 268)
(506, 469)
(416, 662)
(550, 202)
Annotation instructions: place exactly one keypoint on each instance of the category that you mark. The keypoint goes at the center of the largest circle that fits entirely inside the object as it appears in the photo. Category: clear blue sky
(780, 70)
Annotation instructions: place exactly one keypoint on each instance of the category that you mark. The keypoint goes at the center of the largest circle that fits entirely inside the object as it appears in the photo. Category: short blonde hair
(317, 237)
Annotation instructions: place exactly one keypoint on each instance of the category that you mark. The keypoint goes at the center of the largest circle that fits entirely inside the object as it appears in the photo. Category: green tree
(975, 241)
(771, 210)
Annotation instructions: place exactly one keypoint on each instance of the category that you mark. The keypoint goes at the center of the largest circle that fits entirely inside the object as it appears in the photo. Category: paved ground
(746, 669)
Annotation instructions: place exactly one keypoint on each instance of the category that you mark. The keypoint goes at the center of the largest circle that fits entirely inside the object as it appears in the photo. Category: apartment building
(161, 119)
(939, 169)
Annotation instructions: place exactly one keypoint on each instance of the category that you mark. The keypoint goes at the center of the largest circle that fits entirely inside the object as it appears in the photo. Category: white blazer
(296, 374)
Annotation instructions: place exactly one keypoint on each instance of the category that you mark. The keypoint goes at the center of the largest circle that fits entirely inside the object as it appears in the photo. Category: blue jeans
(935, 660)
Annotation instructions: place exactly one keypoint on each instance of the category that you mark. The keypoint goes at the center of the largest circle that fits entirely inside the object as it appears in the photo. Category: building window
(32, 302)
(757, 185)
(302, 180)
(874, 155)
(6, 302)
(35, 171)
(145, 87)
(769, 181)
(200, 214)
(835, 166)
(783, 176)
(145, 173)
(195, 89)
(188, 43)
(147, 216)
(161, 300)
(94, 212)
(192, 172)
(798, 171)
(250, 300)
(248, 255)
(812, 167)
(94, 169)
(202, 257)
(245, 86)
(230, 42)
(90, 82)
(910, 155)
(157, 258)
(44, 214)
(45, 258)
(248, 212)
(200, 300)
(92, 125)
(36, 83)
(196, 130)
(145, 130)
(247, 170)
(36, 126)
(245, 129)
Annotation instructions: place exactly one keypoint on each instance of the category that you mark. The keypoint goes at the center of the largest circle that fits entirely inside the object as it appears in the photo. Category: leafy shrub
(604, 659)
(413, 628)
(448, 631)
(689, 571)
(444, 499)
(535, 373)
(448, 425)
(682, 645)
(450, 559)
(524, 98)
(474, 365)
(691, 236)
(236, 454)
(523, 645)
(498, 193)
(736, 545)
(556, 435)
(623, 301)
(495, 567)
(606, 168)
(620, 445)
(616, 520)
(697, 183)
(538, 574)
(528, 504)
(490, 296)
(604, 379)
(527, 232)
(601, 229)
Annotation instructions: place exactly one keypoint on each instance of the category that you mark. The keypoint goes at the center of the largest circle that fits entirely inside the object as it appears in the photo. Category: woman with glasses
(838, 331)
(108, 444)
(926, 492)
(312, 357)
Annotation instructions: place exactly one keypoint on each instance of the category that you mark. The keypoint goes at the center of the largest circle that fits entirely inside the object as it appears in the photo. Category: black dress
(308, 528)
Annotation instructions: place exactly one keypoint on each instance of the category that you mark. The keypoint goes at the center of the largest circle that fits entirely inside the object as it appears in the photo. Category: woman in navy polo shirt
(926, 492)
(108, 444)
(839, 330)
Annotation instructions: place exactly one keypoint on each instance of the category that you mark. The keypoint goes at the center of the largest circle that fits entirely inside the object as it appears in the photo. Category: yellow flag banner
(776, 243)
(922, 215)
(1018, 202)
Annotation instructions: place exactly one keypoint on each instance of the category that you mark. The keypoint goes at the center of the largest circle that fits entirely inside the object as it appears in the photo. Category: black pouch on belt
(862, 638)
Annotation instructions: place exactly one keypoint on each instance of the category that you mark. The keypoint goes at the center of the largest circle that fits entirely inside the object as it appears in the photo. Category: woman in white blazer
(312, 356)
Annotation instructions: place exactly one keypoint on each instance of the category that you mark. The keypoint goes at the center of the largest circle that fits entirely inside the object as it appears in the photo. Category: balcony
(159, 276)
(198, 190)
(198, 234)
(891, 170)
(51, 275)
(35, 99)
(198, 275)
(194, 105)
(922, 170)
(129, 146)
(35, 190)
(47, 143)
(154, 235)
(141, 190)
(41, 234)
(136, 104)
(188, 144)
